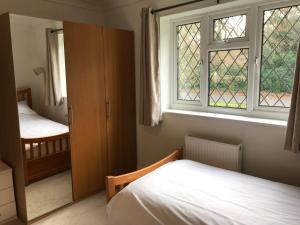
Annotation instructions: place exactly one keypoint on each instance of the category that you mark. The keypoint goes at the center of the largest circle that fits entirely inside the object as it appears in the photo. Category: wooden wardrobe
(101, 104)
(101, 101)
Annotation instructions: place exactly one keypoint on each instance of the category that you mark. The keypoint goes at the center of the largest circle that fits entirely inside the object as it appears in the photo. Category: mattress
(36, 126)
(188, 192)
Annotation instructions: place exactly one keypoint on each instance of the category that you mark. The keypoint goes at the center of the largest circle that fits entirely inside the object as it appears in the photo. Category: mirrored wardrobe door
(38, 52)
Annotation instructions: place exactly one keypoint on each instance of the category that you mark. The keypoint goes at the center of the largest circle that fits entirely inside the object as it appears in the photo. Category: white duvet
(33, 125)
(187, 192)
(36, 126)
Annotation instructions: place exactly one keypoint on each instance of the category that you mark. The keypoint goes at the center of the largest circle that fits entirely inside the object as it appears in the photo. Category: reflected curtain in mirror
(53, 95)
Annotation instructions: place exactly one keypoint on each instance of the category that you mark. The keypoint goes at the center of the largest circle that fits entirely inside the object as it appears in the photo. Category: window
(220, 66)
(230, 27)
(228, 76)
(189, 58)
(281, 34)
(62, 66)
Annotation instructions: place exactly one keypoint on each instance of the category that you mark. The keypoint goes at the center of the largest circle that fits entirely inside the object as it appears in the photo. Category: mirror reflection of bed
(42, 105)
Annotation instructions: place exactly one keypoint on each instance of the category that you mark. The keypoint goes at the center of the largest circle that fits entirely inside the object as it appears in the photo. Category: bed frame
(114, 184)
(48, 163)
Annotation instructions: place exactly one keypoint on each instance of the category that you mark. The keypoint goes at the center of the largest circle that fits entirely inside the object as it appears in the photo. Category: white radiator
(213, 153)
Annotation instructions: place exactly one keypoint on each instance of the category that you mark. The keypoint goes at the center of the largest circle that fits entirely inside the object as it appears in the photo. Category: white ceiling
(95, 4)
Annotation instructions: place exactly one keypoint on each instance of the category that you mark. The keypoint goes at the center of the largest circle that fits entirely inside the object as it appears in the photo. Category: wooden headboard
(25, 95)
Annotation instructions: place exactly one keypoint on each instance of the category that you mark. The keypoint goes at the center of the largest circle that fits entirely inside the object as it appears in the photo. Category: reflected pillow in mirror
(23, 108)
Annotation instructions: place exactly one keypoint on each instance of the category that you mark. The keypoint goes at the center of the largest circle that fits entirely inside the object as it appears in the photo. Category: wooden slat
(24, 161)
(24, 150)
(31, 151)
(47, 147)
(60, 145)
(54, 146)
(67, 143)
(39, 150)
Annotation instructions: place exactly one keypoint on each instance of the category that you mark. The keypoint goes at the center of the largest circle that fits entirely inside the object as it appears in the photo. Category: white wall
(29, 52)
(51, 9)
(263, 144)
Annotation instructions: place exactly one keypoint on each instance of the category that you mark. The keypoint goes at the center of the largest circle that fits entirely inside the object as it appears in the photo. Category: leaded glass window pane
(189, 60)
(281, 33)
(230, 28)
(228, 78)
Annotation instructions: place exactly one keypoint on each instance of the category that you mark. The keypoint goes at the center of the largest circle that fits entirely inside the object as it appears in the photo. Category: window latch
(256, 60)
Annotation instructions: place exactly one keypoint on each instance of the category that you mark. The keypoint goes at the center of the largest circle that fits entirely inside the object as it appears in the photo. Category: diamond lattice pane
(189, 57)
(228, 78)
(281, 33)
(230, 28)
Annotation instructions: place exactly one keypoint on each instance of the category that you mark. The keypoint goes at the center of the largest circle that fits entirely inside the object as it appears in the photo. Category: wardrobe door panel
(120, 97)
(10, 131)
(87, 109)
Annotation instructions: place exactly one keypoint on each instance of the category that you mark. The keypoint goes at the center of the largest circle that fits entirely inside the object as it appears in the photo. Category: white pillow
(25, 109)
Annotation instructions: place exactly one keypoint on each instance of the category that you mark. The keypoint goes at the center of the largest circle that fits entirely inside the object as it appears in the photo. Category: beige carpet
(15, 222)
(90, 211)
(48, 194)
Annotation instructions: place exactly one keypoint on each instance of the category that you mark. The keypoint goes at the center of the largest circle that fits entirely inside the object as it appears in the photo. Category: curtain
(292, 140)
(150, 102)
(53, 94)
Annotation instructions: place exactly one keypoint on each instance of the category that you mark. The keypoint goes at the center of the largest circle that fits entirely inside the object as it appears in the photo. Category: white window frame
(252, 41)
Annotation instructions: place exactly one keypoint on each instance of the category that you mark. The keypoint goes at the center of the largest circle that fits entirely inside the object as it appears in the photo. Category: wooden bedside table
(7, 196)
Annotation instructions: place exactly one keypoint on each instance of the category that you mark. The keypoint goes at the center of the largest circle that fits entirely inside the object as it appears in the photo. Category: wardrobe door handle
(108, 109)
(70, 115)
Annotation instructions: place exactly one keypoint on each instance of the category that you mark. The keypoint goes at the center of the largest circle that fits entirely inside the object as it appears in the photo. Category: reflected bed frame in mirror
(39, 164)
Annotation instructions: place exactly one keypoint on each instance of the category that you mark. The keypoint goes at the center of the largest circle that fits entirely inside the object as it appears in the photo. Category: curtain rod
(178, 5)
(56, 30)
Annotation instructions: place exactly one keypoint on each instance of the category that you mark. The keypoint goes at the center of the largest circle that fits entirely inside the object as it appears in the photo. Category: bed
(180, 192)
(45, 143)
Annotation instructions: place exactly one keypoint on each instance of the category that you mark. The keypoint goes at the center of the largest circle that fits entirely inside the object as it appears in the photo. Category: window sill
(280, 123)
